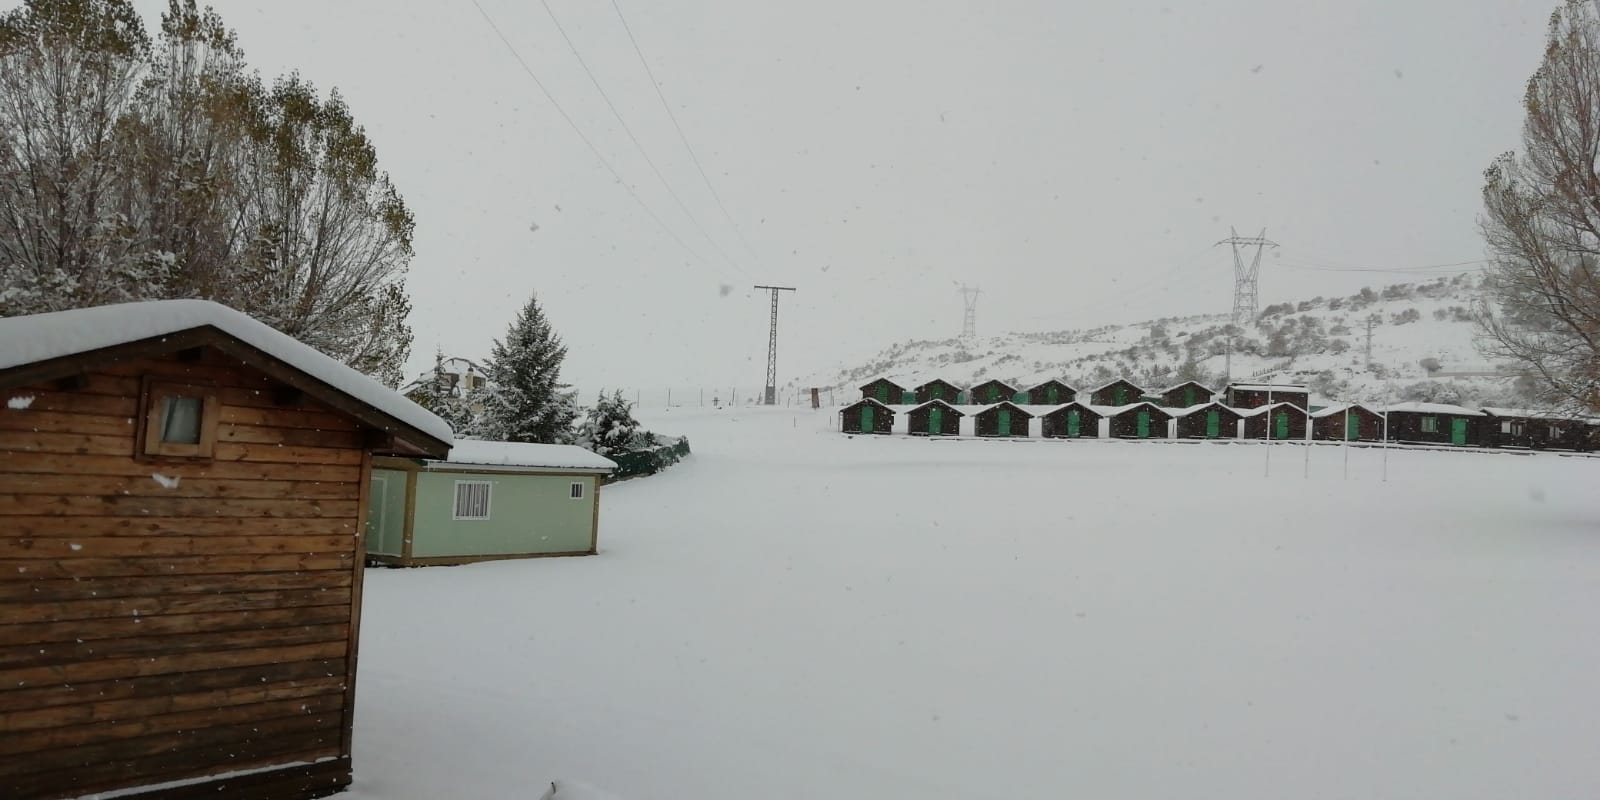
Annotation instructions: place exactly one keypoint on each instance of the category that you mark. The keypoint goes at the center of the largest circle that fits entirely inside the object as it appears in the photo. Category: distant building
(1003, 419)
(1071, 421)
(1282, 420)
(1256, 395)
(1208, 421)
(938, 389)
(991, 392)
(1437, 423)
(1140, 420)
(934, 418)
(463, 378)
(866, 416)
(1119, 392)
(1186, 395)
(885, 390)
(1347, 422)
(1051, 393)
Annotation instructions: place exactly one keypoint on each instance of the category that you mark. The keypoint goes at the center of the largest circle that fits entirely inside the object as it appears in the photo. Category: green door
(1052, 395)
(1280, 427)
(1005, 422)
(866, 419)
(883, 392)
(1458, 431)
(1213, 424)
(1074, 423)
(1144, 424)
(1120, 396)
(936, 420)
(1188, 397)
(1352, 428)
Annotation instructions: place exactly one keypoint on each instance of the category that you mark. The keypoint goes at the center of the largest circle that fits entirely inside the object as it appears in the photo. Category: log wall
(158, 629)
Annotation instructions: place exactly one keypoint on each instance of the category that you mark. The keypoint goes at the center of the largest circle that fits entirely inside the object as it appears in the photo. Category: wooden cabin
(1140, 420)
(1051, 393)
(1353, 422)
(1116, 393)
(1256, 395)
(1071, 421)
(1186, 395)
(488, 501)
(992, 391)
(185, 492)
(866, 416)
(1284, 421)
(1003, 419)
(1437, 423)
(938, 389)
(934, 418)
(1211, 420)
(885, 391)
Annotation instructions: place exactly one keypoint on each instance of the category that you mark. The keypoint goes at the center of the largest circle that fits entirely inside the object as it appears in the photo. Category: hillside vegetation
(1422, 349)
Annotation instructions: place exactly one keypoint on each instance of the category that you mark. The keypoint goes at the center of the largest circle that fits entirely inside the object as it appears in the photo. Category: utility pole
(1372, 320)
(969, 322)
(772, 345)
(1246, 280)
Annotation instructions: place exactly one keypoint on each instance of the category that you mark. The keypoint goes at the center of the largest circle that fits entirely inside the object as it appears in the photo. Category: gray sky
(1075, 159)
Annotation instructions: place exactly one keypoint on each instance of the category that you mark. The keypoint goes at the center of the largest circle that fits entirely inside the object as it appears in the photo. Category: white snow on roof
(1286, 388)
(1339, 408)
(41, 337)
(1186, 383)
(1436, 408)
(1115, 382)
(956, 408)
(870, 400)
(521, 454)
(1111, 411)
(1259, 410)
(1184, 412)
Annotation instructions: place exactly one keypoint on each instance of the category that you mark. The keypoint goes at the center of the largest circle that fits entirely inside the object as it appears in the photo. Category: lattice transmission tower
(1247, 280)
(969, 321)
(772, 346)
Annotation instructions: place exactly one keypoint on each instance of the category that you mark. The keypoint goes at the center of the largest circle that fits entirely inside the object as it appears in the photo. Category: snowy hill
(1422, 349)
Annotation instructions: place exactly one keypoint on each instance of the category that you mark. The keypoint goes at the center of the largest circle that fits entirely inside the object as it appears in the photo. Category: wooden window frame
(577, 491)
(488, 501)
(155, 390)
(1428, 425)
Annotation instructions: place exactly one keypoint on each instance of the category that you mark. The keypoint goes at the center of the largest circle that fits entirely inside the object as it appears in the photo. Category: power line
(654, 84)
(635, 139)
(579, 131)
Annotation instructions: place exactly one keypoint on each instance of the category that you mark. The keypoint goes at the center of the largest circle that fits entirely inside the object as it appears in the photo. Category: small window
(180, 420)
(1430, 424)
(577, 491)
(472, 499)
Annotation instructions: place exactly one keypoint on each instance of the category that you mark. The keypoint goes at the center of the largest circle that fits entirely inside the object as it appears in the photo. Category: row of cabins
(1192, 411)
(188, 499)
(1054, 392)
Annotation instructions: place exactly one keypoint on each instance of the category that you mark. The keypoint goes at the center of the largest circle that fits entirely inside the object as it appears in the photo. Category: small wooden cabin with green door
(487, 501)
(992, 391)
(183, 492)
(938, 389)
(1140, 420)
(1117, 393)
(1282, 421)
(1051, 393)
(1186, 395)
(1351, 422)
(866, 416)
(1209, 421)
(1256, 395)
(1004, 419)
(886, 391)
(1437, 423)
(1071, 421)
(934, 418)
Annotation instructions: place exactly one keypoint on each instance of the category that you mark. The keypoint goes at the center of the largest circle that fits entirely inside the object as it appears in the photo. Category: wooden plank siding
(166, 619)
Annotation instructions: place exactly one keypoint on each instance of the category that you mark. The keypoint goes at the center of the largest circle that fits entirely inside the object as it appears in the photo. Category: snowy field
(793, 614)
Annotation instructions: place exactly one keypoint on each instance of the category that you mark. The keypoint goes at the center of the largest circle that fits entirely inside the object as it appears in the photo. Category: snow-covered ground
(793, 614)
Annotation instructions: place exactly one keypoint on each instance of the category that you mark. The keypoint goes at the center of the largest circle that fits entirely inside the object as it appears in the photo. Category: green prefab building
(1004, 419)
(866, 416)
(991, 392)
(1071, 421)
(487, 501)
(934, 418)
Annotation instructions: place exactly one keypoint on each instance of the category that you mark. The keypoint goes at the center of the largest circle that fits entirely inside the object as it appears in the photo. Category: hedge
(649, 462)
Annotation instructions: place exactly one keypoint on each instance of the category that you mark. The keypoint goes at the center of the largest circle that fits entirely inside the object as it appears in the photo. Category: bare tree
(1542, 223)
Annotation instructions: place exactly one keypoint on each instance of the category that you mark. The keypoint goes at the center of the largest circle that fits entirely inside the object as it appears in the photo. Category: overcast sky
(1076, 159)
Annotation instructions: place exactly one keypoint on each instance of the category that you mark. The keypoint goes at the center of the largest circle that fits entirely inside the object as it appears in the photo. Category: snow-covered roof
(1186, 383)
(1187, 410)
(951, 406)
(1047, 410)
(994, 380)
(1286, 388)
(1048, 381)
(902, 382)
(1436, 408)
(869, 400)
(519, 454)
(1024, 409)
(1338, 408)
(43, 337)
(1259, 410)
(1111, 411)
(1114, 383)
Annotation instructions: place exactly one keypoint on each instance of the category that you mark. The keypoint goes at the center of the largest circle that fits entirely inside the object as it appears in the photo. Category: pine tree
(526, 400)
(609, 427)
